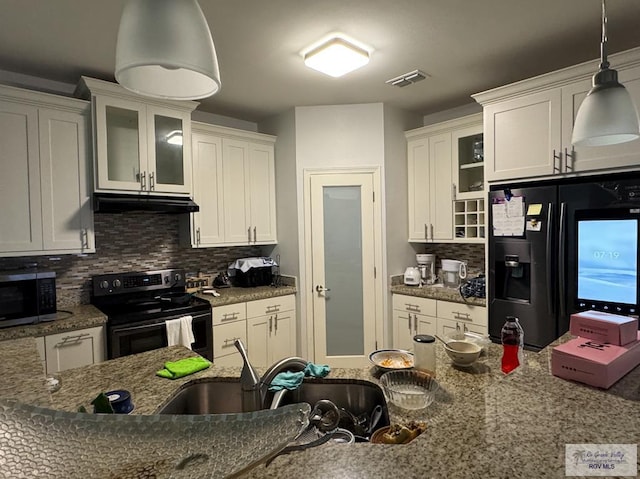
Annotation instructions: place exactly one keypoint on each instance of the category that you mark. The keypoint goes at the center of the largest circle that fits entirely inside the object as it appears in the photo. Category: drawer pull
(229, 342)
(67, 340)
(228, 316)
(272, 309)
(412, 307)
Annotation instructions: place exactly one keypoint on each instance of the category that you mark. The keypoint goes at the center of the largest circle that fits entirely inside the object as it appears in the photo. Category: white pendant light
(165, 50)
(607, 115)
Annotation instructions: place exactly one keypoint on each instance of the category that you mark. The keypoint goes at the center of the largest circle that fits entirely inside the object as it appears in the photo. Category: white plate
(392, 359)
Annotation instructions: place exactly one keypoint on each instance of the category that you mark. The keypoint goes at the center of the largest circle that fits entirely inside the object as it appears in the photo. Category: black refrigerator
(558, 247)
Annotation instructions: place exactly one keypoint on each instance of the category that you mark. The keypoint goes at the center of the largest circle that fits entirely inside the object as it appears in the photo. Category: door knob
(321, 289)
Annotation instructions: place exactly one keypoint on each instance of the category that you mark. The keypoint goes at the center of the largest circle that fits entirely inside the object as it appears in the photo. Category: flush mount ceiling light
(165, 50)
(607, 115)
(336, 57)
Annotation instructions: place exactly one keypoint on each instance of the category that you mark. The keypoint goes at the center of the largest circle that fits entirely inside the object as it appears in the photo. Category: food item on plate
(401, 434)
(396, 362)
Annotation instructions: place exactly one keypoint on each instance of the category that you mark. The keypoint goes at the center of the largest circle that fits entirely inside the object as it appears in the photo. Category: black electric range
(137, 304)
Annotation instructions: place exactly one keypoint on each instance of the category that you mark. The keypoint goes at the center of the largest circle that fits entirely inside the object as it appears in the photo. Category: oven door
(138, 337)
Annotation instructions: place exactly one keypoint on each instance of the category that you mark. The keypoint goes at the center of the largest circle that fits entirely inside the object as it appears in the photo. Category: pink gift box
(604, 327)
(590, 362)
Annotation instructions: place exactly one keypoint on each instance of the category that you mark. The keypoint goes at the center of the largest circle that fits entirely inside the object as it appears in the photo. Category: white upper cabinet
(44, 174)
(234, 185)
(528, 125)
(141, 144)
(441, 173)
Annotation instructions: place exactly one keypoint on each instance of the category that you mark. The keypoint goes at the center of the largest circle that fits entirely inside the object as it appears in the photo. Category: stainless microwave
(27, 297)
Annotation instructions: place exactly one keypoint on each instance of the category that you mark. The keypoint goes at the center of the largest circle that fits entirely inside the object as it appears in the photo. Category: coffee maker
(426, 265)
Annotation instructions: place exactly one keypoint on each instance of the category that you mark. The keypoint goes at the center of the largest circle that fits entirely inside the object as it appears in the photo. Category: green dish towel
(290, 380)
(183, 367)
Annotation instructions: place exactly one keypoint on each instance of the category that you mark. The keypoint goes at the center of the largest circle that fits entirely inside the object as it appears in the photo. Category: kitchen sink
(224, 396)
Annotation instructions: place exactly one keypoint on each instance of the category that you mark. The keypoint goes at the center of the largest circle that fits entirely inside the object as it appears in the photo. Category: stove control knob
(104, 284)
(117, 283)
(177, 277)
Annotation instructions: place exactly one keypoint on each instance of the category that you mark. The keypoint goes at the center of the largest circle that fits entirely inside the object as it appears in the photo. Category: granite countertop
(482, 423)
(437, 292)
(70, 319)
(235, 295)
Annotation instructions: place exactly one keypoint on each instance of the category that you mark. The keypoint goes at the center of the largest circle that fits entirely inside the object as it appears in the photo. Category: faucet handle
(249, 378)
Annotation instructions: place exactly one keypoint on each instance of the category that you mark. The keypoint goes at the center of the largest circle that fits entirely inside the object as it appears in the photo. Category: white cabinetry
(74, 349)
(528, 125)
(229, 324)
(455, 319)
(234, 185)
(442, 172)
(140, 144)
(44, 174)
(415, 315)
(411, 316)
(271, 329)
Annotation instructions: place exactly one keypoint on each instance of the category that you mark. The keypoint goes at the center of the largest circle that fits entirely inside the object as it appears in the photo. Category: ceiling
(466, 46)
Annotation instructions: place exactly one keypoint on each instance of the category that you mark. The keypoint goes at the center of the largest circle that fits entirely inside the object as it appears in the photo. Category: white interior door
(342, 241)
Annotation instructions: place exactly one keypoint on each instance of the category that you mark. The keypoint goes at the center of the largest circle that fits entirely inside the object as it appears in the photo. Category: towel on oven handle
(180, 331)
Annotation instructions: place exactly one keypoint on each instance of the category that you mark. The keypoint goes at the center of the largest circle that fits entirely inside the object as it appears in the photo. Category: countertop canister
(424, 349)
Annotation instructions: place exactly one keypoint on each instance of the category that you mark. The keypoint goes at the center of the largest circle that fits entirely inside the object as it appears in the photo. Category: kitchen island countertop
(483, 424)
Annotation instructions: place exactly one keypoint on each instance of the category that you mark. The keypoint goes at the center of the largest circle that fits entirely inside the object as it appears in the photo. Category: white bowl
(463, 353)
(392, 359)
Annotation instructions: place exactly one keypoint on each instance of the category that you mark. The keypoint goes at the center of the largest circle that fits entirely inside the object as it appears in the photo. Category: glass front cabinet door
(468, 158)
(141, 147)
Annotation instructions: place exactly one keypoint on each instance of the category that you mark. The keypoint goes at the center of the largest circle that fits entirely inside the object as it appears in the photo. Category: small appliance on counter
(27, 296)
(453, 273)
(426, 265)
(252, 272)
(412, 276)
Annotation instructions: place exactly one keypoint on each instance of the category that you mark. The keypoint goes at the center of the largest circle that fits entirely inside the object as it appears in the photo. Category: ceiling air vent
(407, 78)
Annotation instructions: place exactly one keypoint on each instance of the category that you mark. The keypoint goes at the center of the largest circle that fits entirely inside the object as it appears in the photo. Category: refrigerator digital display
(608, 260)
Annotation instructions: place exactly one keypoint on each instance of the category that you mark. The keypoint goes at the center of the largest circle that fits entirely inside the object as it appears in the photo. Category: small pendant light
(607, 115)
(165, 50)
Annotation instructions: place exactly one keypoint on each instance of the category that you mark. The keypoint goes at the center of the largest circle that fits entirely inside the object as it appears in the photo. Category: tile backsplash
(129, 242)
(471, 253)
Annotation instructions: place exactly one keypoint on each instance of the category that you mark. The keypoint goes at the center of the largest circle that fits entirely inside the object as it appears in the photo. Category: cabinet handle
(228, 316)
(255, 235)
(275, 308)
(559, 158)
(143, 181)
(249, 234)
(229, 342)
(459, 315)
(453, 190)
(152, 181)
(466, 330)
(412, 307)
(275, 323)
(415, 324)
(569, 156)
(270, 324)
(71, 339)
(431, 227)
(409, 316)
(197, 235)
(426, 232)
(84, 238)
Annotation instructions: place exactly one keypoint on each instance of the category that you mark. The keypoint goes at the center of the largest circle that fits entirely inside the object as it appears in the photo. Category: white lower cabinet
(265, 326)
(411, 316)
(271, 329)
(414, 315)
(73, 349)
(455, 319)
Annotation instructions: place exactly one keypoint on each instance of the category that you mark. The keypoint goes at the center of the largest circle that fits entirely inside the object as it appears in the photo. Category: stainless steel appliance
(558, 247)
(426, 265)
(137, 305)
(27, 297)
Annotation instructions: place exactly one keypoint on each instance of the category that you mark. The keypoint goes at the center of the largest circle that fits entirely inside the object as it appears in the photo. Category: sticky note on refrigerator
(534, 209)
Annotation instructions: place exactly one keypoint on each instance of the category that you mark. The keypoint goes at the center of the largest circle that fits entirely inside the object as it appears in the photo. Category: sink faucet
(254, 387)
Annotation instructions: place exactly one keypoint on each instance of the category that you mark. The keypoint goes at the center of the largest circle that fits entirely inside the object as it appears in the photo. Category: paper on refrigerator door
(508, 217)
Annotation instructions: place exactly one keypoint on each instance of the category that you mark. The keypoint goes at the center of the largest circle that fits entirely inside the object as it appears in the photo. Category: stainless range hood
(119, 203)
